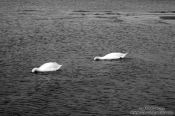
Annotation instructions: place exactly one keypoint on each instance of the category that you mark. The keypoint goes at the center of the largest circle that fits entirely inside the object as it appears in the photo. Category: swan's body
(111, 56)
(47, 67)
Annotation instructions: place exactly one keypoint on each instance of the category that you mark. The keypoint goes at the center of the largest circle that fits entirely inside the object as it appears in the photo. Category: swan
(47, 67)
(111, 56)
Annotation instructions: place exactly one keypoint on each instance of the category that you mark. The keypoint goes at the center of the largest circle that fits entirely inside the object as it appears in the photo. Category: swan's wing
(112, 56)
(46, 65)
(49, 66)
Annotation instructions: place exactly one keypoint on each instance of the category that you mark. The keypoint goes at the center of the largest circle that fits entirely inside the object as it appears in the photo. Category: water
(83, 87)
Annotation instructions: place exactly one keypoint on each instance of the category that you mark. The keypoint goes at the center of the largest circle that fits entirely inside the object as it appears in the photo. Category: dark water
(31, 36)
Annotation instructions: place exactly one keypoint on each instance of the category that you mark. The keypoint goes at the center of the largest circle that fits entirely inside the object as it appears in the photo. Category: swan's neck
(34, 69)
(97, 58)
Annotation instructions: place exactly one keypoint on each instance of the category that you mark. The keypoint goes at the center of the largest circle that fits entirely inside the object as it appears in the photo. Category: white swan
(111, 56)
(47, 67)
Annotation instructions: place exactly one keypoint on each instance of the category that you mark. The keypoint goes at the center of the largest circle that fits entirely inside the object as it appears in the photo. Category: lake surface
(72, 33)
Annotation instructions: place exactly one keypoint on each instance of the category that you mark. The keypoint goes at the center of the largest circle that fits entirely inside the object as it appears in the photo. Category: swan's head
(97, 58)
(34, 70)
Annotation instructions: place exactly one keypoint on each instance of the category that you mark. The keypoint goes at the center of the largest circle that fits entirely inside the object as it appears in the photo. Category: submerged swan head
(97, 58)
(34, 70)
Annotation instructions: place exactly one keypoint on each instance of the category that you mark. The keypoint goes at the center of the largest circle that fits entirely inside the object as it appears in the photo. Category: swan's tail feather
(124, 55)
